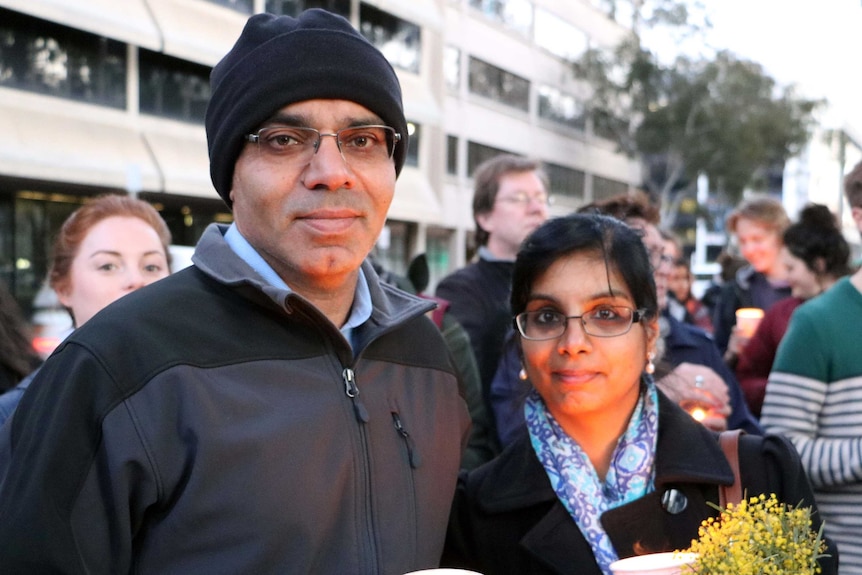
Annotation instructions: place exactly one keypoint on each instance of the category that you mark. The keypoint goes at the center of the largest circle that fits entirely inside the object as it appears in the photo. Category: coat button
(674, 501)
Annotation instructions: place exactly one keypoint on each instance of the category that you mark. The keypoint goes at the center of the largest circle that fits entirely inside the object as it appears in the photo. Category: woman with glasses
(607, 466)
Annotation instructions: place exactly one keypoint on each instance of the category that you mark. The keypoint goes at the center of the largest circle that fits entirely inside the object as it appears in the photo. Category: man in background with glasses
(510, 200)
(274, 408)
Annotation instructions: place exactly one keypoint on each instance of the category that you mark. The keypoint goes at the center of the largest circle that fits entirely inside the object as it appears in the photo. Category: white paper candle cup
(671, 563)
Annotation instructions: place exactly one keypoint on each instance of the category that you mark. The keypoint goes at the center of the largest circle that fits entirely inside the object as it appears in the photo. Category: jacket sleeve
(740, 416)
(772, 465)
(464, 304)
(724, 317)
(508, 393)
(482, 445)
(755, 362)
(795, 401)
(66, 504)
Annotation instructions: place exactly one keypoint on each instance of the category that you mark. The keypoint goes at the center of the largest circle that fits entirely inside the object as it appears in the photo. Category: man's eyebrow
(303, 121)
(287, 120)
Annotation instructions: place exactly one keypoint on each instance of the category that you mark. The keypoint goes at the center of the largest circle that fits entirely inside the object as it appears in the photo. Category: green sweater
(814, 397)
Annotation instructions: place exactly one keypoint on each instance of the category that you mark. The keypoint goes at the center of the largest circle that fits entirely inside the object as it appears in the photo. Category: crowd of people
(286, 405)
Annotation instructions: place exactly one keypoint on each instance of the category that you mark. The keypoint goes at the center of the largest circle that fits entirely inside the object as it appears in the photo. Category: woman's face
(760, 246)
(579, 376)
(804, 283)
(118, 255)
(680, 282)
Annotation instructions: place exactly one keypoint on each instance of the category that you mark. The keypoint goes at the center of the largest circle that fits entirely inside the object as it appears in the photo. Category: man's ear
(482, 221)
(856, 213)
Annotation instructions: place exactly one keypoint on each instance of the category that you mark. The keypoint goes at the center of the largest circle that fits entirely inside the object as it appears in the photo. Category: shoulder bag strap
(729, 441)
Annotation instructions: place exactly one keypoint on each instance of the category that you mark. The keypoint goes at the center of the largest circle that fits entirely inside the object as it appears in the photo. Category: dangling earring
(650, 366)
(522, 374)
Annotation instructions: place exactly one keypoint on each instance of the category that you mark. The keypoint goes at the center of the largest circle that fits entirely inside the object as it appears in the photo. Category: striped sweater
(814, 396)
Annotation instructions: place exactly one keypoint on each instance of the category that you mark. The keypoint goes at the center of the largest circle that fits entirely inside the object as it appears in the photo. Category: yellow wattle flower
(758, 536)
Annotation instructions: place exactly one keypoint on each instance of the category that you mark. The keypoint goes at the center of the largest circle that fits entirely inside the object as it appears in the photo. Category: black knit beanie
(280, 60)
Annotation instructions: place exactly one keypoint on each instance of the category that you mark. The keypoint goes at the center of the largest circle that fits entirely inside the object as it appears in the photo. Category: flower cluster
(759, 536)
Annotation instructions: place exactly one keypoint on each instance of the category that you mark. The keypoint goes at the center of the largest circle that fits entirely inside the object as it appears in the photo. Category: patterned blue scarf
(574, 479)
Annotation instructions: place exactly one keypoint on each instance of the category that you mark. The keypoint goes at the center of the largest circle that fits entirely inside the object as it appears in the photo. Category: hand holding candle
(700, 391)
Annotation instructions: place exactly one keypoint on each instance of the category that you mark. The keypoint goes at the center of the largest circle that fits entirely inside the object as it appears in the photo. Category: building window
(603, 188)
(187, 217)
(39, 56)
(561, 108)
(499, 85)
(452, 67)
(565, 182)
(399, 40)
(294, 7)
(437, 241)
(452, 155)
(244, 6)
(478, 153)
(558, 37)
(173, 88)
(414, 139)
(515, 15)
(37, 217)
(608, 126)
(392, 247)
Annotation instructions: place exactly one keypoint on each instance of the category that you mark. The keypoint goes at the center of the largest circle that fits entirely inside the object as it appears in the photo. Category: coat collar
(688, 458)
(686, 452)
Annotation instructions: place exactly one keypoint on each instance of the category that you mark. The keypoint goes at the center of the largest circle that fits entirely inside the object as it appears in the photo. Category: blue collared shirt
(360, 312)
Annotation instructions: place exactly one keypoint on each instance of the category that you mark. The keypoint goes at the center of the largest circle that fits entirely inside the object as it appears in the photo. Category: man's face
(313, 222)
(520, 207)
(661, 263)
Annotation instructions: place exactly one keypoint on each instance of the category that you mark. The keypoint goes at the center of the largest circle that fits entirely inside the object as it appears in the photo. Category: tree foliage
(720, 116)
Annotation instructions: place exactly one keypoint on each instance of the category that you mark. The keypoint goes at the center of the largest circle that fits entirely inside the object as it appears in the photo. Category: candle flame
(698, 413)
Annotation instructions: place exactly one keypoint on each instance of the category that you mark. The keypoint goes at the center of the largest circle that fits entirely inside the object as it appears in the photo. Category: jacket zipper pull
(349, 383)
(352, 391)
(412, 456)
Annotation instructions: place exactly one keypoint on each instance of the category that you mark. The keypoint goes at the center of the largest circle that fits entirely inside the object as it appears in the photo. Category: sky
(812, 44)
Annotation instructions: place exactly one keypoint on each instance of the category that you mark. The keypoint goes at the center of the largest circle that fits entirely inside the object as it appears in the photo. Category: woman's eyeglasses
(603, 321)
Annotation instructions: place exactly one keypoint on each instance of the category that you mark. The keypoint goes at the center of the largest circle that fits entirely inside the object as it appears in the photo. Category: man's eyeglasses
(359, 146)
(657, 257)
(603, 321)
(524, 199)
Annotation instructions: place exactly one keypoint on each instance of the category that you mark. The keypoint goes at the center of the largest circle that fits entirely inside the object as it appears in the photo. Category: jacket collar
(215, 258)
(686, 451)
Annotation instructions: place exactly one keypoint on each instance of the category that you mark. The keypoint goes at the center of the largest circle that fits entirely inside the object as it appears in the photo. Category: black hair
(620, 246)
(817, 240)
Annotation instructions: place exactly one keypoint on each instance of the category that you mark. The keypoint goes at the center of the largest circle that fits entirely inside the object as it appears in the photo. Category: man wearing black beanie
(274, 408)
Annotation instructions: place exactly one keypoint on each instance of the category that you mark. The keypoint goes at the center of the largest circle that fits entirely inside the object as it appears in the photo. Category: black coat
(506, 517)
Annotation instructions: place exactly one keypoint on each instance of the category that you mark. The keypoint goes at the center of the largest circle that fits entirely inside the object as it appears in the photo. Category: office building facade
(100, 96)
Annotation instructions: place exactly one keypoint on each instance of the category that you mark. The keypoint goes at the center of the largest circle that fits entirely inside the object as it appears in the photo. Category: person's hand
(737, 342)
(701, 392)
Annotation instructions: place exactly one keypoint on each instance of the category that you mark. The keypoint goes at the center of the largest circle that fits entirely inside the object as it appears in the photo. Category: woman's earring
(650, 366)
(522, 374)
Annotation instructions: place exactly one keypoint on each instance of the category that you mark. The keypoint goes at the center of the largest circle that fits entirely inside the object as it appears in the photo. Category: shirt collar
(485, 254)
(360, 312)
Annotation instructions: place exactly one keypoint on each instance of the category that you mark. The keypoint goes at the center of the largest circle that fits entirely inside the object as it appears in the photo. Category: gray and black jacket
(210, 423)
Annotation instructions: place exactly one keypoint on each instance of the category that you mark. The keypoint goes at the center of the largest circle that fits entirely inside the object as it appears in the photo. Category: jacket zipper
(412, 455)
(352, 391)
